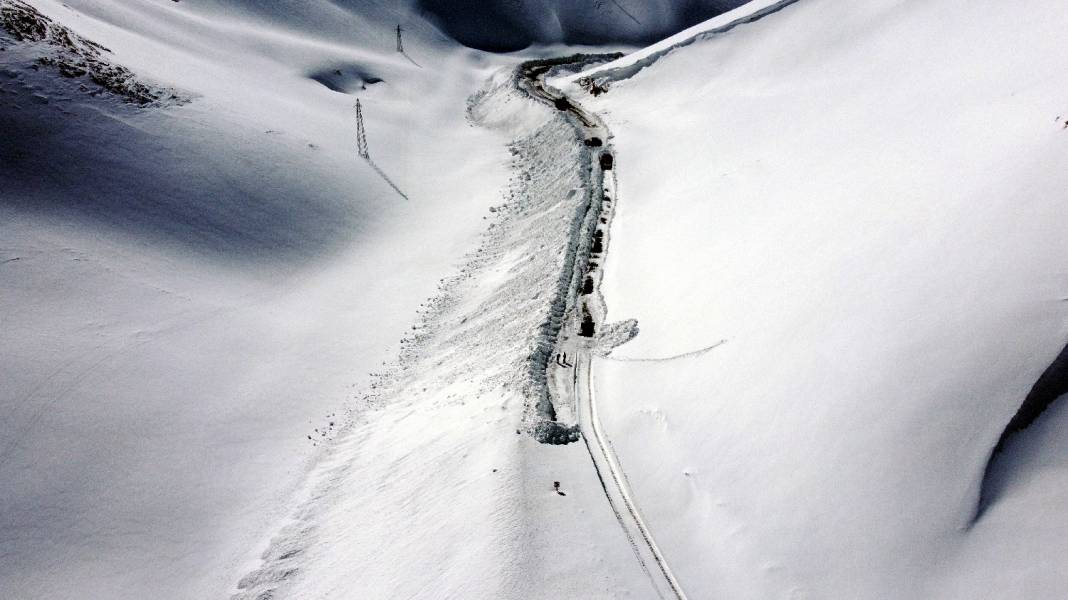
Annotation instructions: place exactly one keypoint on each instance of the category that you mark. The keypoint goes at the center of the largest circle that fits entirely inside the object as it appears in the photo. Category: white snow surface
(199, 306)
(439, 492)
(840, 228)
(188, 293)
(858, 209)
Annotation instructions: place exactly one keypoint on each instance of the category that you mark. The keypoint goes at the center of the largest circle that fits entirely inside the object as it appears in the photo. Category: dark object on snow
(593, 142)
(593, 87)
(606, 162)
(556, 487)
(551, 432)
(561, 359)
(587, 328)
(587, 286)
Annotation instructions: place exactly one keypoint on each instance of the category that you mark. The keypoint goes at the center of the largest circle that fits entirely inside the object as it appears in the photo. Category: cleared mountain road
(584, 320)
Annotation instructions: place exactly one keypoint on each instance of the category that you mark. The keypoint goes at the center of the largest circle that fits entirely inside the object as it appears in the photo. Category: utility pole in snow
(361, 148)
(400, 48)
(361, 135)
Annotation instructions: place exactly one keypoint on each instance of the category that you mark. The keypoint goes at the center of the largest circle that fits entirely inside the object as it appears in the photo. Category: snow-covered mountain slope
(856, 210)
(439, 492)
(196, 280)
(188, 292)
(838, 226)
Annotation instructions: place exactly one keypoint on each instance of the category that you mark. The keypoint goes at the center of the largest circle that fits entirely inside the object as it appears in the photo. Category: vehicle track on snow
(584, 319)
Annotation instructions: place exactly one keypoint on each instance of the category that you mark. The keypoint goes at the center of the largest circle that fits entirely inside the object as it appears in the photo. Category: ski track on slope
(580, 392)
(586, 398)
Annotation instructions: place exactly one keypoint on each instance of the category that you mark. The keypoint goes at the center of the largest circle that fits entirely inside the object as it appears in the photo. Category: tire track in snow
(574, 341)
(587, 403)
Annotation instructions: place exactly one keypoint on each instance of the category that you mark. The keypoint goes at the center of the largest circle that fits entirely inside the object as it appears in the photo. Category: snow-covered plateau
(773, 307)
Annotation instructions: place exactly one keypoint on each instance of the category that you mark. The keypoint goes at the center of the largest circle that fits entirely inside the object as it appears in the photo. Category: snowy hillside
(741, 314)
(188, 292)
(854, 214)
(202, 285)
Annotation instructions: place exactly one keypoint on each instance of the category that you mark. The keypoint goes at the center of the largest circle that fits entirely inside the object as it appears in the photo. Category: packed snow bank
(866, 202)
(187, 293)
(505, 25)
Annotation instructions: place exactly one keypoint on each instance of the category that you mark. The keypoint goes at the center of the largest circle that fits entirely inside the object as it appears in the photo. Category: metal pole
(361, 135)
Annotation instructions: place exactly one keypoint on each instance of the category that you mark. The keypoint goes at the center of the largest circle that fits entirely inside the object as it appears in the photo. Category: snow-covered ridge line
(631, 64)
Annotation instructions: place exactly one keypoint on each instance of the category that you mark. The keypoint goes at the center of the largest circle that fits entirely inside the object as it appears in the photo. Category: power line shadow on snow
(626, 12)
(411, 60)
(361, 143)
(385, 177)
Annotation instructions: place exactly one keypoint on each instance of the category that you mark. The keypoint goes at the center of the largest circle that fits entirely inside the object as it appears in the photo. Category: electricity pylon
(400, 44)
(361, 135)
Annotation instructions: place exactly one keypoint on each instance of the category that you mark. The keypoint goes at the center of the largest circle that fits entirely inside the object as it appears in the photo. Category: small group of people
(561, 359)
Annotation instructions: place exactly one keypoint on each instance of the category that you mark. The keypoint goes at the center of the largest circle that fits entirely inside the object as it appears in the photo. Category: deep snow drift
(858, 211)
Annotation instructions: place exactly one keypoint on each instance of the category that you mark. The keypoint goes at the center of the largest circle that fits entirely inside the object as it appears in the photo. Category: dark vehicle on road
(606, 162)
